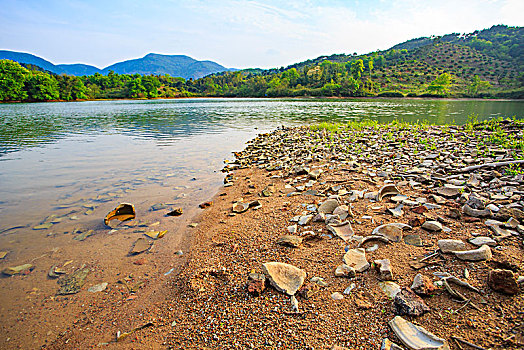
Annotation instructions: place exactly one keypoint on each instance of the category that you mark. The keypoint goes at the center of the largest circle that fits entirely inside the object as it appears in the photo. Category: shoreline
(207, 305)
(437, 98)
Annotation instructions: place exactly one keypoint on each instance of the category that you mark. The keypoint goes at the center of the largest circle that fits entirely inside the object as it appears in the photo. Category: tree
(12, 78)
(441, 84)
(357, 67)
(42, 87)
(477, 85)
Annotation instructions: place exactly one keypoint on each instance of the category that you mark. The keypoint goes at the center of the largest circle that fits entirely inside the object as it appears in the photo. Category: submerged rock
(73, 283)
(10, 271)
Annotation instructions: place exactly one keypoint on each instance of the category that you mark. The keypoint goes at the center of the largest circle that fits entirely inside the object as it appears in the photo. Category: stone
(481, 254)
(469, 211)
(413, 240)
(389, 288)
(256, 283)
(175, 212)
(384, 269)
(475, 203)
(344, 230)
(415, 337)
(492, 207)
(362, 302)
(328, 206)
(72, 283)
(141, 245)
(305, 220)
(342, 211)
(10, 271)
(345, 271)
(356, 258)
(314, 174)
(451, 245)
(290, 241)
(337, 296)
(505, 213)
(511, 223)
(481, 240)
(408, 303)
(422, 285)
(449, 191)
(503, 281)
(433, 226)
(284, 277)
(389, 345)
(97, 288)
(500, 233)
(336, 347)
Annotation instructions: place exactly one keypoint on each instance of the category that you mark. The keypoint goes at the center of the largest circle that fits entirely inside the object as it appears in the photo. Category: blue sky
(234, 33)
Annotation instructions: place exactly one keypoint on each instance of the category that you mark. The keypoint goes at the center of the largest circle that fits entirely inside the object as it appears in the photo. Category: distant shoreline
(436, 98)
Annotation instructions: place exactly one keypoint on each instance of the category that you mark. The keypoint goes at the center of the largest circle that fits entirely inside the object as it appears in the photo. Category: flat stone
(284, 277)
(406, 302)
(305, 220)
(469, 211)
(503, 281)
(387, 190)
(506, 213)
(342, 211)
(415, 337)
(97, 288)
(72, 283)
(290, 241)
(384, 269)
(141, 245)
(500, 233)
(481, 254)
(433, 226)
(10, 271)
(345, 271)
(422, 285)
(413, 240)
(449, 191)
(481, 240)
(389, 288)
(356, 258)
(451, 245)
(344, 231)
(328, 206)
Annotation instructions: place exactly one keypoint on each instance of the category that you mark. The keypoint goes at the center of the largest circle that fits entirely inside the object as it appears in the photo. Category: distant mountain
(174, 65)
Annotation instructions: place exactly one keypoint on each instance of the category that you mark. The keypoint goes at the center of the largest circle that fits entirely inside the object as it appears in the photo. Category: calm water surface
(62, 158)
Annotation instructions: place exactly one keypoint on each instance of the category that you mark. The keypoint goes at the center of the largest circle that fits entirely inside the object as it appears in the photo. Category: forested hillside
(487, 63)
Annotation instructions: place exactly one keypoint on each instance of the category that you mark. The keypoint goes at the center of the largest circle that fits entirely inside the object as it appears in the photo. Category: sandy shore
(204, 303)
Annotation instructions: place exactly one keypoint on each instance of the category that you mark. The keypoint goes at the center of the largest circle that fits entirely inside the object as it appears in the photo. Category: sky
(235, 33)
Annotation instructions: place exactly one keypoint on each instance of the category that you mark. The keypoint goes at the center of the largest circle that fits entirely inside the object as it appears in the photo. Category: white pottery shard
(416, 337)
(344, 231)
(356, 258)
(284, 277)
(387, 190)
(480, 254)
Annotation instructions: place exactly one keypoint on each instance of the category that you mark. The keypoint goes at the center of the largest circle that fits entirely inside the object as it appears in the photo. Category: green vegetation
(486, 63)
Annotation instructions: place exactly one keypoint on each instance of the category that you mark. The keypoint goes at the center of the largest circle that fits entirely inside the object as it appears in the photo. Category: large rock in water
(284, 277)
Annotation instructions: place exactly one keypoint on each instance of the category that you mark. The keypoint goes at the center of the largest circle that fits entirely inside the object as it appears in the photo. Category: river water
(60, 157)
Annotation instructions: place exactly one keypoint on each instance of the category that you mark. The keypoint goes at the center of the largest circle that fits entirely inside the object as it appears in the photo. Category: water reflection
(27, 125)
